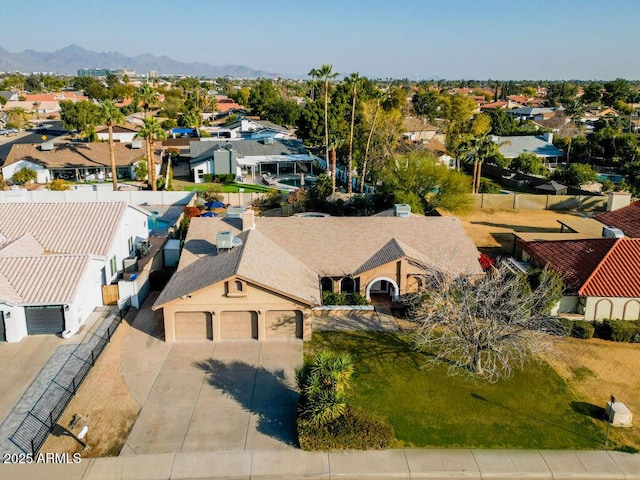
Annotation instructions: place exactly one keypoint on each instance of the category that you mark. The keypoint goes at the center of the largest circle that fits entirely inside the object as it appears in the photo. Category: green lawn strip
(428, 408)
(228, 188)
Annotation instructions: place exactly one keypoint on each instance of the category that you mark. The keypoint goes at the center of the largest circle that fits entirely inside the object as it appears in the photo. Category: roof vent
(46, 146)
(226, 241)
(136, 145)
(269, 141)
(401, 210)
(612, 232)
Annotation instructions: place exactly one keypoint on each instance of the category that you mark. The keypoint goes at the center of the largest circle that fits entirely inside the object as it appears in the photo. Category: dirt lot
(103, 402)
(596, 369)
(491, 230)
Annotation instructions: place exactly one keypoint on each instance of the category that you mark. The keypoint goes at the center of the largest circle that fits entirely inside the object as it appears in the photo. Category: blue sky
(453, 39)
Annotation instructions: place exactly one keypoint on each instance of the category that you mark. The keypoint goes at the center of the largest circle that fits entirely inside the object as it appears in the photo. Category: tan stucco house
(263, 278)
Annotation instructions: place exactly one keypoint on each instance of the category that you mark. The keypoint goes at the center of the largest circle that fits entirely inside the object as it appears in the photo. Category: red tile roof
(573, 260)
(626, 219)
(618, 274)
(599, 267)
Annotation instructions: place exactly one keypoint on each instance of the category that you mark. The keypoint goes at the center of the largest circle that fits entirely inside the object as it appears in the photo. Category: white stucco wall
(567, 304)
(16, 325)
(87, 297)
(9, 170)
(133, 224)
(600, 308)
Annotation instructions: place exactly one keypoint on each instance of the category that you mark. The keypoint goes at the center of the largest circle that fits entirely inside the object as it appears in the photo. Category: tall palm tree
(379, 96)
(575, 110)
(325, 73)
(335, 142)
(146, 95)
(151, 131)
(354, 81)
(478, 149)
(111, 115)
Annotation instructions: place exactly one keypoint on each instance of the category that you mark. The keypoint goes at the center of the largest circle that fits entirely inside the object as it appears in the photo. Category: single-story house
(417, 130)
(75, 161)
(532, 113)
(122, 134)
(252, 158)
(55, 258)
(601, 275)
(541, 145)
(262, 278)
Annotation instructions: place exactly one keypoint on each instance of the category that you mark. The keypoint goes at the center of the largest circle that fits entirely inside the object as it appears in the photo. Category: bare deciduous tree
(486, 327)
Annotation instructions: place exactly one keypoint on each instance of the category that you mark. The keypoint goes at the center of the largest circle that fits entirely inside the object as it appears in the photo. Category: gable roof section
(626, 219)
(72, 155)
(71, 228)
(618, 274)
(26, 245)
(41, 279)
(573, 260)
(250, 148)
(258, 260)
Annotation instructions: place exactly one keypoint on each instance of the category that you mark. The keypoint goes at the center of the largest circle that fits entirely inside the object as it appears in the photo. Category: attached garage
(239, 325)
(284, 324)
(193, 326)
(3, 331)
(44, 320)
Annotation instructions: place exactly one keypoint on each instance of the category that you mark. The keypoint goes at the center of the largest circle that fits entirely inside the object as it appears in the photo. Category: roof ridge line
(600, 265)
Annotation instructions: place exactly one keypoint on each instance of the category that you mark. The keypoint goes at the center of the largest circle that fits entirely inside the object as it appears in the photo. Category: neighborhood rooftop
(626, 219)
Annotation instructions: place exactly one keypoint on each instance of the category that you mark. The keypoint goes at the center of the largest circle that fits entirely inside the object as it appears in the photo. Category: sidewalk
(388, 464)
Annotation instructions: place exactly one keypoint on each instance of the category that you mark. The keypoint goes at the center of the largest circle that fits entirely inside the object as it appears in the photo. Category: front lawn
(533, 410)
(227, 188)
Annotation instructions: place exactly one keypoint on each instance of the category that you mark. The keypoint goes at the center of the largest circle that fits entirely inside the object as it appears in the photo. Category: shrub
(213, 193)
(141, 170)
(329, 298)
(226, 178)
(57, 184)
(582, 329)
(487, 186)
(353, 430)
(208, 178)
(622, 330)
(567, 325)
(24, 175)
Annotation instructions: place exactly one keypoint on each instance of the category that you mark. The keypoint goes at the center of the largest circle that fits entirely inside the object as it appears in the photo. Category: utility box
(171, 252)
(618, 414)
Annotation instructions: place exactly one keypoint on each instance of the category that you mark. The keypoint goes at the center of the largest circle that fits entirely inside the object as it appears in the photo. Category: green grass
(227, 188)
(532, 410)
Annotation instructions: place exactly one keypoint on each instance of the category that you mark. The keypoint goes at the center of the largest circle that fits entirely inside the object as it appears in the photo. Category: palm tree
(151, 131)
(575, 110)
(478, 149)
(378, 97)
(146, 95)
(17, 116)
(354, 80)
(335, 142)
(325, 72)
(111, 115)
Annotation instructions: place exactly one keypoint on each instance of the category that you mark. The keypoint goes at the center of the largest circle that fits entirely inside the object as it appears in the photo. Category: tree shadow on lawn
(259, 391)
(538, 419)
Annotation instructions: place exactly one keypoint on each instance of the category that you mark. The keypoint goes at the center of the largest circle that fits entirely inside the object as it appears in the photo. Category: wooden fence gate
(110, 294)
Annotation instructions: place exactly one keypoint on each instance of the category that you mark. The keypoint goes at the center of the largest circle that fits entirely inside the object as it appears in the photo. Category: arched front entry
(382, 285)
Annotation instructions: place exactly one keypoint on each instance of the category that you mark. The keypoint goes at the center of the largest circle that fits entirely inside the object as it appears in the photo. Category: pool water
(294, 180)
(154, 223)
(610, 176)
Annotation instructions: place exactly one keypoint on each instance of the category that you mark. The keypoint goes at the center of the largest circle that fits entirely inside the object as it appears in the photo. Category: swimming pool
(295, 180)
(614, 177)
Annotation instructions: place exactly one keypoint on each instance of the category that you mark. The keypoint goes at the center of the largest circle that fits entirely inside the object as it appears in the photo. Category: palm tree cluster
(323, 383)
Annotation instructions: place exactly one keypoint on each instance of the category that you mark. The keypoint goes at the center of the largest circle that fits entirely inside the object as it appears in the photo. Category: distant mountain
(69, 59)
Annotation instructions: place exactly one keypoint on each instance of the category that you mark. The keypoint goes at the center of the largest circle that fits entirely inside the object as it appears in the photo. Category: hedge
(354, 430)
(582, 329)
(623, 330)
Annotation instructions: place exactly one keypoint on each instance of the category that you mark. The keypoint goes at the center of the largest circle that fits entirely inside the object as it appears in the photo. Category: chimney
(248, 220)
(548, 137)
(618, 200)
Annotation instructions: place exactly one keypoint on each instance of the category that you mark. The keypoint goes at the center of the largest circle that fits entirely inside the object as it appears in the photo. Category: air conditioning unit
(224, 240)
(130, 265)
(234, 212)
(612, 232)
(269, 141)
(136, 145)
(46, 146)
(401, 210)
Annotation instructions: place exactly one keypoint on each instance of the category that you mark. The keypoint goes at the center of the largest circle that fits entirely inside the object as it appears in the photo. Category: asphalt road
(57, 130)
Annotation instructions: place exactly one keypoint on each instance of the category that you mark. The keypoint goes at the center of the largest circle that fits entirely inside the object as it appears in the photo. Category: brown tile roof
(493, 105)
(573, 260)
(626, 219)
(413, 124)
(41, 279)
(74, 155)
(618, 274)
(71, 228)
(131, 128)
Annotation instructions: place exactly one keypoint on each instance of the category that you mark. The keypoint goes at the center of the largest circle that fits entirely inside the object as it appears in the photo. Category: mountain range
(69, 59)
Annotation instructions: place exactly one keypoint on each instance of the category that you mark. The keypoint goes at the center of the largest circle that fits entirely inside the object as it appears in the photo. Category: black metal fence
(40, 420)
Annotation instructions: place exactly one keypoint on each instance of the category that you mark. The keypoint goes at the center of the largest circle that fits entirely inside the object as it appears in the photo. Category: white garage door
(239, 325)
(284, 324)
(193, 326)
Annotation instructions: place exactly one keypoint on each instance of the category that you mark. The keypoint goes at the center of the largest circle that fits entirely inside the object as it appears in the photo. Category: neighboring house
(249, 158)
(38, 107)
(541, 145)
(75, 161)
(533, 113)
(626, 218)
(10, 96)
(551, 188)
(262, 277)
(601, 275)
(55, 258)
(417, 130)
(122, 134)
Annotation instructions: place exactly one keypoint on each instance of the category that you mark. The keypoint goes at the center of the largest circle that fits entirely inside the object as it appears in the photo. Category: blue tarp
(215, 204)
(209, 214)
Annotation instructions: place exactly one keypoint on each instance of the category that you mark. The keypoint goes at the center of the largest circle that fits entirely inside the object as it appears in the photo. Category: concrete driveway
(218, 397)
